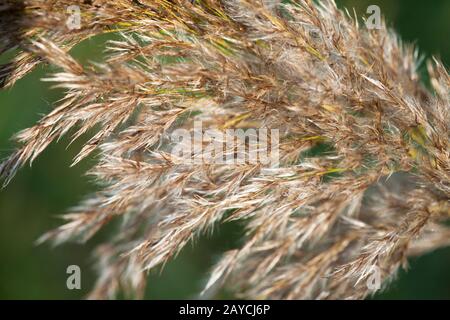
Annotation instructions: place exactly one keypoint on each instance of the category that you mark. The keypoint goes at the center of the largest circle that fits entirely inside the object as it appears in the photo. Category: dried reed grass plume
(363, 180)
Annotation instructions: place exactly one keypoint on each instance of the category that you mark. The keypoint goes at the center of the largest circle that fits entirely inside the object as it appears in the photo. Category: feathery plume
(363, 177)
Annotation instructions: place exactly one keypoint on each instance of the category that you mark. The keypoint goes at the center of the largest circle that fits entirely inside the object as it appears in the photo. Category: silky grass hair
(363, 180)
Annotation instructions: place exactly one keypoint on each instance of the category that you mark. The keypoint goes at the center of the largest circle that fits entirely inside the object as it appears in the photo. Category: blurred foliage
(31, 203)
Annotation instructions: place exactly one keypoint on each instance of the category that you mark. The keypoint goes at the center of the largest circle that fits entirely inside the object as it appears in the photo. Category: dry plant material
(364, 175)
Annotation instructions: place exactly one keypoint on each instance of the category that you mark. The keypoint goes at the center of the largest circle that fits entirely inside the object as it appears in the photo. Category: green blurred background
(29, 206)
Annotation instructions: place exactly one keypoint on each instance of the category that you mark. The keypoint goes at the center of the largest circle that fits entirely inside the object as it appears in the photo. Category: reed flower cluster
(363, 177)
